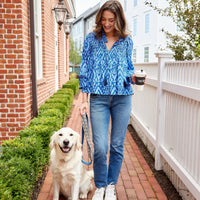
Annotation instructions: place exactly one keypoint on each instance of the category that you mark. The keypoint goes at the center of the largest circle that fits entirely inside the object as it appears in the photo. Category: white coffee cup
(139, 79)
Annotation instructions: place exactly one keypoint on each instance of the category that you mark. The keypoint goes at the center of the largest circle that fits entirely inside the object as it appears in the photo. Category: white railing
(167, 112)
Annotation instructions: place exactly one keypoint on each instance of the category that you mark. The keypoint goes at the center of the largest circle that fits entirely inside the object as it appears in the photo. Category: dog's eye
(70, 134)
(60, 134)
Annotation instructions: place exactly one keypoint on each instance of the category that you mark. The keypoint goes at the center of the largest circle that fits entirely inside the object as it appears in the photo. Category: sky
(83, 5)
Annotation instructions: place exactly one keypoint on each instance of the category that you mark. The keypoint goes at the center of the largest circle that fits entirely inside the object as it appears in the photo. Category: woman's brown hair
(115, 7)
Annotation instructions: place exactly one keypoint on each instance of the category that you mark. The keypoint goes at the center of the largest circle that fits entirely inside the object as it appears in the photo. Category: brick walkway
(136, 180)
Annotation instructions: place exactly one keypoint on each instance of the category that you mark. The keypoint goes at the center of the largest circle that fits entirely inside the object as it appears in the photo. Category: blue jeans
(102, 107)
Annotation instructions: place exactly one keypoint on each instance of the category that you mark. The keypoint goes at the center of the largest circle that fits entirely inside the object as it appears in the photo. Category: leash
(85, 131)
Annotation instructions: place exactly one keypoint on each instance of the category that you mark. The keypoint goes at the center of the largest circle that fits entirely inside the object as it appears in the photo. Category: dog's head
(66, 139)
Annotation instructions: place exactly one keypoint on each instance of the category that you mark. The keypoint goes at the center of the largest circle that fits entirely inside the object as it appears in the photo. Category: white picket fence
(166, 114)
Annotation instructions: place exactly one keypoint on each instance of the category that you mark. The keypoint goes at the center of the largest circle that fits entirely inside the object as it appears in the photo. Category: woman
(106, 73)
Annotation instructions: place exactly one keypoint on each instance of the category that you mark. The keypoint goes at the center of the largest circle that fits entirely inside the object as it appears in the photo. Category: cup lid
(140, 72)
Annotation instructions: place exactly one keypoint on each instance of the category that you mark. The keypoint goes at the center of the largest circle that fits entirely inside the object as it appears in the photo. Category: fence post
(162, 58)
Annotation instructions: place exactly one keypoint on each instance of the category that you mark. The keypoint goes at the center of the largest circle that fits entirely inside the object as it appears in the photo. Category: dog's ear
(52, 143)
(78, 143)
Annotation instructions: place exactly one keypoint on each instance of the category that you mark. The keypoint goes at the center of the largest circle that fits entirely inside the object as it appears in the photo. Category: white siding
(154, 38)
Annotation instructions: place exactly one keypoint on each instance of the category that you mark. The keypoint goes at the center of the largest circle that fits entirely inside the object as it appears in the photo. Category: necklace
(110, 42)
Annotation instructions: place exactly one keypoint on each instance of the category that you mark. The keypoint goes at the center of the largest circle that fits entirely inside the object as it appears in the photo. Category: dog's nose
(66, 142)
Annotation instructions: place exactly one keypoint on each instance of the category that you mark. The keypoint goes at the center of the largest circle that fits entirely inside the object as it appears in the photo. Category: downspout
(33, 66)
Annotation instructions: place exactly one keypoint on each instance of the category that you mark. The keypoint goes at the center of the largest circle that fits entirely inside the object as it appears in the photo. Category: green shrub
(5, 192)
(29, 148)
(18, 176)
(67, 97)
(52, 113)
(42, 131)
(58, 106)
(73, 84)
(73, 76)
(65, 91)
(65, 101)
(54, 99)
(46, 120)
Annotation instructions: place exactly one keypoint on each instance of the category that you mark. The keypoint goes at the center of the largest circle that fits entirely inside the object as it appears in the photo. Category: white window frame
(146, 54)
(38, 38)
(125, 5)
(134, 27)
(147, 23)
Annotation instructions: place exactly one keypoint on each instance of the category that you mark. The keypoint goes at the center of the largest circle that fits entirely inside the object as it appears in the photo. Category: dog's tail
(90, 173)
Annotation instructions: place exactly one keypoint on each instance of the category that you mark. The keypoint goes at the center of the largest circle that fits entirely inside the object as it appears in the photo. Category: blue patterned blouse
(103, 71)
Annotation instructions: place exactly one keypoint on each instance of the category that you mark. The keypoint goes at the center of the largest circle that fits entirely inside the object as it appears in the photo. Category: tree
(185, 13)
(74, 55)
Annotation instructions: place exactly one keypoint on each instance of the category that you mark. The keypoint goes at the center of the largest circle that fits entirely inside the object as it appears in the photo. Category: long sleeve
(129, 59)
(83, 75)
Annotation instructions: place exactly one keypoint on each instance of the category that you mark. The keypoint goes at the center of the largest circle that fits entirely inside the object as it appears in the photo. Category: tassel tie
(105, 81)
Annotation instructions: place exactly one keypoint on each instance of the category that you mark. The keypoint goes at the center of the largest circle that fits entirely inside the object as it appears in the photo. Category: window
(125, 5)
(147, 23)
(134, 27)
(38, 38)
(134, 55)
(146, 54)
(134, 3)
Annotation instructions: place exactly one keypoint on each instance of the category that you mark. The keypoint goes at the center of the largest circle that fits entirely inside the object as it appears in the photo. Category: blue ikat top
(103, 71)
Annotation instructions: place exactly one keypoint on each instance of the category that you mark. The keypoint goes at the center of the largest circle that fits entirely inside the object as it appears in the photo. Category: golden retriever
(69, 175)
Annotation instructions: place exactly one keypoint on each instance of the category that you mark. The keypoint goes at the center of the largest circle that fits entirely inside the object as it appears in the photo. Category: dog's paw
(83, 196)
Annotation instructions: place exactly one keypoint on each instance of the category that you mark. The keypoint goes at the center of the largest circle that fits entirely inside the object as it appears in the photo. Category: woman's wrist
(85, 98)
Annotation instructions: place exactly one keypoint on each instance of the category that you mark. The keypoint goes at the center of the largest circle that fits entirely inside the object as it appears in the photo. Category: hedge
(53, 122)
(41, 131)
(73, 84)
(52, 112)
(63, 97)
(29, 148)
(22, 159)
(55, 99)
(65, 91)
(17, 177)
(63, 109)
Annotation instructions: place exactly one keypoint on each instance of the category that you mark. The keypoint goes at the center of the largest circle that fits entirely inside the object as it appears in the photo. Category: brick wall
(15, 64)
(15, 106)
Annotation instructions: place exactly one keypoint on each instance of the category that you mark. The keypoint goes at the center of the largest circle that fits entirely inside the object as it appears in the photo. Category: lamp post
(60, 13)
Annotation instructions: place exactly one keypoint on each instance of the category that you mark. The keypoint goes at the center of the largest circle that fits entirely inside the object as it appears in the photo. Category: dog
(70, 177)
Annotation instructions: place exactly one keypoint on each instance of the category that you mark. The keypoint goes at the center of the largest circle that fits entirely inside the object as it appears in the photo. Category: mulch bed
(166, 185)
(39, 183)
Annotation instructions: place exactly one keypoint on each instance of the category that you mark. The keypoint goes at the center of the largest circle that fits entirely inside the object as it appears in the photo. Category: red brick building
(33, 60)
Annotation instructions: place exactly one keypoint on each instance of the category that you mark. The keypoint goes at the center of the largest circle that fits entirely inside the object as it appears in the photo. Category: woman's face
(108, 22)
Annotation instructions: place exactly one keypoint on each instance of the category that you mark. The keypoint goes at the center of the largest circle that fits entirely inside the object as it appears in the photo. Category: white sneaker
(99, 194)
(110, 192)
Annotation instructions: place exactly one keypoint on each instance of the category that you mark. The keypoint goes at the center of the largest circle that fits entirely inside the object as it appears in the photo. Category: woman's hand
(133, 78)
(83, 108)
